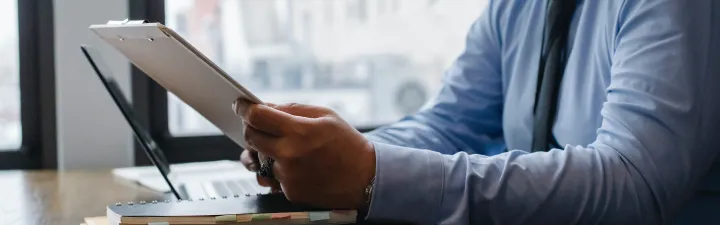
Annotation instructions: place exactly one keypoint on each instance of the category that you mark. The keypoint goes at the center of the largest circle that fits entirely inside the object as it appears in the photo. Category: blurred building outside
(372, 61)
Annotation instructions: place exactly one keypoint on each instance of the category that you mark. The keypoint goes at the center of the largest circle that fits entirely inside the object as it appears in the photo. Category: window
(277, 48)
(372, 61)
(27, 86)
(10, 125)
(356, 10)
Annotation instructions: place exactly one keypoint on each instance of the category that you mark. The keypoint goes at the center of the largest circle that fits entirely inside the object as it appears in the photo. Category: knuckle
(291, 105)
(327, 123)
(286, 107)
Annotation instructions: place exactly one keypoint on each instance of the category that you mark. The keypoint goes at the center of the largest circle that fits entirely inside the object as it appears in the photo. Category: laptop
(187, 184)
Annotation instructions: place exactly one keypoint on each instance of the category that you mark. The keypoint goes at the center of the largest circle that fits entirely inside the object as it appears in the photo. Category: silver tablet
(181, 69)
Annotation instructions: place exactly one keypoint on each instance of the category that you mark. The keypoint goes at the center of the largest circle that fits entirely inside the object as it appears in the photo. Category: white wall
(91, 131)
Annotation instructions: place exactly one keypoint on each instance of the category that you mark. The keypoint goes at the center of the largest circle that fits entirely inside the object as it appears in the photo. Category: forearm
(574, 186)
(656, 141)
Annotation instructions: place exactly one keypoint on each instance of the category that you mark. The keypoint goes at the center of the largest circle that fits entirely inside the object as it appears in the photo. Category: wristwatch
(368, 192)
(266, 169)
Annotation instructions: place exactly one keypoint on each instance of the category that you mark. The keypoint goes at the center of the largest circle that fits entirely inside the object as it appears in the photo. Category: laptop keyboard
(239, 187)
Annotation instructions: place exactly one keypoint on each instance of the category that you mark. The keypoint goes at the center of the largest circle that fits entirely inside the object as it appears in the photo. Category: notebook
(237, 209)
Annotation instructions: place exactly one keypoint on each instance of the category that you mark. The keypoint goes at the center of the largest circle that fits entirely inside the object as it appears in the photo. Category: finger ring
(266, 168)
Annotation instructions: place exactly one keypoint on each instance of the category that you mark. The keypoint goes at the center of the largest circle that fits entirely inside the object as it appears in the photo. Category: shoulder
(654, 20)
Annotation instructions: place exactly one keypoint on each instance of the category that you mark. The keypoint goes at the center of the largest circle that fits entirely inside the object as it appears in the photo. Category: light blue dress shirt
(639, 121)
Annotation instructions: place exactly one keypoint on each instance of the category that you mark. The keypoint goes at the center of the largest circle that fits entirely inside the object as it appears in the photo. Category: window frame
(150, 103)
(37, 89)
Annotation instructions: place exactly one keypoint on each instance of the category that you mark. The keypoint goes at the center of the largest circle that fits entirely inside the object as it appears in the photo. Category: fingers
(249, 159)
(269, 127)
(261, 141)
(275, 122)
(273, 119)
(265, 182)
(240, 106)
(303, 110)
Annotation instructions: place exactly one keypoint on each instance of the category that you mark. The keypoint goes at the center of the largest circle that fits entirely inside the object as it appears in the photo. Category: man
(626, 140)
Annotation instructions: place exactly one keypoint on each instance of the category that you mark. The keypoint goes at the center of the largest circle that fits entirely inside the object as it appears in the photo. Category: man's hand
(249, 158)
(319, 159)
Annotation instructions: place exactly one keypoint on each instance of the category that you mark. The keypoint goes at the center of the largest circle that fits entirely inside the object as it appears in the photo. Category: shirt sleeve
(466, 114)
(653, 147)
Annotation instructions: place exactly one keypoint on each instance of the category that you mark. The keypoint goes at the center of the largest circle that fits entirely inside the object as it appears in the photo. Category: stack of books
(246, 210)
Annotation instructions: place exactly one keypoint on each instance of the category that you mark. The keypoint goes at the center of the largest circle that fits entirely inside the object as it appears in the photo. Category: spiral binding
(187, 200)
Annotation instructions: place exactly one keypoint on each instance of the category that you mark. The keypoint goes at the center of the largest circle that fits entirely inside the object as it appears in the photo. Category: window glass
(372, 61)
(10, 127)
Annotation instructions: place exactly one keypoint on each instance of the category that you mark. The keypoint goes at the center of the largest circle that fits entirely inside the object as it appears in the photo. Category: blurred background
(10, 125)
(372, 61)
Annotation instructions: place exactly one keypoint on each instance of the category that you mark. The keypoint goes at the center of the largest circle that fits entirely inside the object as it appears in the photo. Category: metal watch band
(368, 191)
(266, 169)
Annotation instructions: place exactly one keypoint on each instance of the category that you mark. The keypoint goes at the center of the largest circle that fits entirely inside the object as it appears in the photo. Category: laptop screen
(152, 150)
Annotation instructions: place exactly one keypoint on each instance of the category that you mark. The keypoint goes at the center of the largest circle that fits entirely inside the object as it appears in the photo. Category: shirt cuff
(408, 185)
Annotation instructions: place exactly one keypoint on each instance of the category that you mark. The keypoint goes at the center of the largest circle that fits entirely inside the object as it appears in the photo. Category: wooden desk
(63, 198)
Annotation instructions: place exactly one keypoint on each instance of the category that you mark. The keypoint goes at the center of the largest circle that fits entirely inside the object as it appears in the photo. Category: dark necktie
(551, 67)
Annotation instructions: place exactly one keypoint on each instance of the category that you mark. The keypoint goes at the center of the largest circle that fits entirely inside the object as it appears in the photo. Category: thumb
(303, 110)
(240, 106)
(273, 121)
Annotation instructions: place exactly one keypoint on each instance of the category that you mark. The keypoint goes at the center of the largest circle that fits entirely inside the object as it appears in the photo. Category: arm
(652, 148)
(467, 112)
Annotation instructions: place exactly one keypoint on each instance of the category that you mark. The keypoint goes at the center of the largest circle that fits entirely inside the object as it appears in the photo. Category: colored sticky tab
(280, 216)
(159, 223)
(299, 215)
(244, 218)
(225, 219)
(319, 216)
(343, 215)
(257, 217)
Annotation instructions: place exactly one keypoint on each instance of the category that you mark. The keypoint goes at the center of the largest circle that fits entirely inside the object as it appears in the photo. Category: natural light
(372, 61)
(10, 127)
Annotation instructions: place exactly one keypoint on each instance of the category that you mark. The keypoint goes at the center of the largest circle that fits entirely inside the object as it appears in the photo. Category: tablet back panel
(182, 70)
